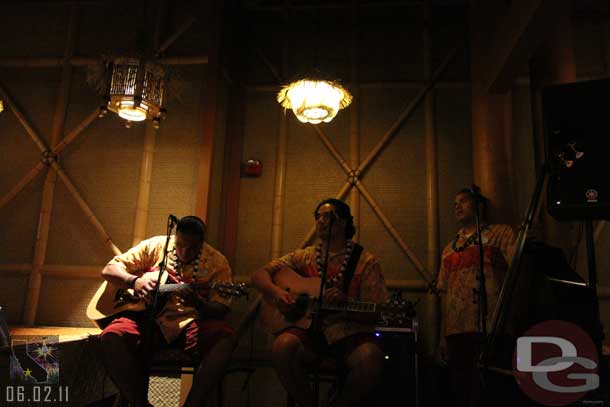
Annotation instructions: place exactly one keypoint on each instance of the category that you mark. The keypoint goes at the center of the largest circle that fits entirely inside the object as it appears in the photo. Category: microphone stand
(316, 321)
(482, 291)
(154, 296)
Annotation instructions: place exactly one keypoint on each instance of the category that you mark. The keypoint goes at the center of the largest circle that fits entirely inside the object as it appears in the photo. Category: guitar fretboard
(353, 306)
(165, 288)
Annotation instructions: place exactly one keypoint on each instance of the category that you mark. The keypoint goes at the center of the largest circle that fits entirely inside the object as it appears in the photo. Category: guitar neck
(353, 306)
(166, 288)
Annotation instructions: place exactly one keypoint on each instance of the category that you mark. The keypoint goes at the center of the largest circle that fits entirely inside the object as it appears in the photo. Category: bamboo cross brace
(179, 31)
(86, 209)
(355, 180)
(77, 131)
(393, 232)
(26, 125)
(391, 132)
(26, 179)
(40, 165)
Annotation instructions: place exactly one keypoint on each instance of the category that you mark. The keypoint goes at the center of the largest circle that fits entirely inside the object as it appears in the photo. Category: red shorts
(196, 339)
(340, 350)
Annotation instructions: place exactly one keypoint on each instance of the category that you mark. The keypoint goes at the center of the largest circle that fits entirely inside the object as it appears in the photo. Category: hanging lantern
(314, 101)
(135, 90)
(1, 106)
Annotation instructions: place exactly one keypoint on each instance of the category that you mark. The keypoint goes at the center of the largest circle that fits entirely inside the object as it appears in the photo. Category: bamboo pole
(431, 325)
(210, 115)
(26, 62)
(8, 100)
(177, 34)
(393, 232)
(40, 247)
(77, 131)
(22, 267)
(332, 149)
(408, 111)
(26, 179)
(88, 212)
(40, 165)
(279, 187)
(143, 202)
(354, 118)
(447, 84)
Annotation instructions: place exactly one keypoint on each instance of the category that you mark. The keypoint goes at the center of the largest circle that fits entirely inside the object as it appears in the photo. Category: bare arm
(262, 280)
(117, 274)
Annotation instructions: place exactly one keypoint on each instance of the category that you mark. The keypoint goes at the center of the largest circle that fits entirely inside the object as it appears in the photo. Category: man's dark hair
(475, 194)
(192, 226)
(343, 211)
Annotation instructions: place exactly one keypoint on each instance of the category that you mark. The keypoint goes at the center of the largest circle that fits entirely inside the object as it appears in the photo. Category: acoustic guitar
(109, 300)
(396, 313)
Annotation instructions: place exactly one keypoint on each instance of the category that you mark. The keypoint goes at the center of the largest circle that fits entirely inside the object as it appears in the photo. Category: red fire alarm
(251, 168)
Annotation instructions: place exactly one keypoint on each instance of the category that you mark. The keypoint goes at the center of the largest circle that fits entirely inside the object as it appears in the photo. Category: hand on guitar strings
(145, 284)
(284, 300)
(334, 295)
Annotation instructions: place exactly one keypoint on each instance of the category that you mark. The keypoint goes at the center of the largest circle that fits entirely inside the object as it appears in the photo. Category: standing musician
(191, 319)
(352, 273)
(458, 282)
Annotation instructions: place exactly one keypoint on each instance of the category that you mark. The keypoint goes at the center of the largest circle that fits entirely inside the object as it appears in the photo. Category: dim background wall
(104, 162)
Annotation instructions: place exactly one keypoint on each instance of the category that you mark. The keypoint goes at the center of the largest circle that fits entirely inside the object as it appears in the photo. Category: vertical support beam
(431, 326)
(231, 172)
(553, 63)
(143, 202)
(234, 144)
(491, 117)
(210, 104)
(44, 220)
(279, 193)
(354, 118)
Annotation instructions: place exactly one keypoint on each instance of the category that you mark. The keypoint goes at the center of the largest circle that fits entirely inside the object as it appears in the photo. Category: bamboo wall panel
(20, 224)
(96, 38)
(174, 175)
(12, 299)
(63, 301)
(13, 140)
(256, 194)
(36, 30)
(588, 55)
(72, 237)
(214, 203)
(396, 179)
(454, 154)
(312, 174)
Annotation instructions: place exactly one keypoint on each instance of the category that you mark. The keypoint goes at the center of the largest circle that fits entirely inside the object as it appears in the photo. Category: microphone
(173, 218)
(475, 192)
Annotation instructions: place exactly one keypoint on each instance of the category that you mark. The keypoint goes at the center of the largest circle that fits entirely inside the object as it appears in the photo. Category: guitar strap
(351, 266)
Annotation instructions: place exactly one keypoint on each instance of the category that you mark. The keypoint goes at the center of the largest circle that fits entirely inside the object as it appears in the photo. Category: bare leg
(210, 371)
(289, 357)
(125, 369)
(365, 365)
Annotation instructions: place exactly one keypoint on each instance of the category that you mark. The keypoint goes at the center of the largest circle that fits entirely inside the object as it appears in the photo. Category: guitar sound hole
(299, 309)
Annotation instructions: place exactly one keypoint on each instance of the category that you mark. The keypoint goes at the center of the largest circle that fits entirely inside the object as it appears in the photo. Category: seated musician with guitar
(191, 319)
(352, 274)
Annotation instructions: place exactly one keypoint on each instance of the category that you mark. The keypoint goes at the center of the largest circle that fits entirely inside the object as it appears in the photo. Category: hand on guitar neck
(145, 284)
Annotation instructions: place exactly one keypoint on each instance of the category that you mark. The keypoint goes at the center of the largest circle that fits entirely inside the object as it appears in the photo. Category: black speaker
(577, 133)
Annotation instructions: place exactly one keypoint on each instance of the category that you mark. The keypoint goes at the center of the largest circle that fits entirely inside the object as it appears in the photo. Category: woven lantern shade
(135, 90)
(1, 106)
(313, 100)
